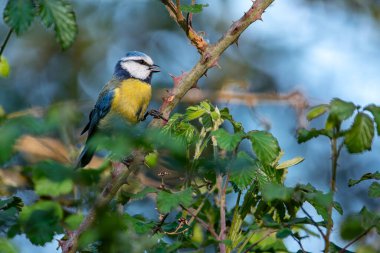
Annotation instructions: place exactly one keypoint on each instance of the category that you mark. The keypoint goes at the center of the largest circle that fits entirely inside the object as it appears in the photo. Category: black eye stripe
(142, 62)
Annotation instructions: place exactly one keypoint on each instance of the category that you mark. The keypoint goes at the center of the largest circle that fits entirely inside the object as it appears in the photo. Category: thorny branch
(210, 55)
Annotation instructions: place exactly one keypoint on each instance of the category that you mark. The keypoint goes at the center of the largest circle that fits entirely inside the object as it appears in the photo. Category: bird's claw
(155, 114)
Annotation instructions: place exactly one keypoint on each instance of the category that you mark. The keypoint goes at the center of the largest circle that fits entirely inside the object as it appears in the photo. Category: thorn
(205, 74)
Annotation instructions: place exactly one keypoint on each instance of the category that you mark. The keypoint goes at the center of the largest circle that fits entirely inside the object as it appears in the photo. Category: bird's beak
(155, 68)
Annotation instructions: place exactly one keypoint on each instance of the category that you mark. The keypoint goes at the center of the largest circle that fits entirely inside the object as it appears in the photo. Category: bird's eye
(141, 62)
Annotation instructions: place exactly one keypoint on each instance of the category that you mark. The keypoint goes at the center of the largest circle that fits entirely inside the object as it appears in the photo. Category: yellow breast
(131, 99)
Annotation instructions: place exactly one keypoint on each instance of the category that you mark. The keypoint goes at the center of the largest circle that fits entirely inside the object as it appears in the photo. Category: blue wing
(101, 108)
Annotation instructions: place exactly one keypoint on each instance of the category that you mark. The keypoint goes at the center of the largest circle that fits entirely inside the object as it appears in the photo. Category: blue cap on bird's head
(137, 65)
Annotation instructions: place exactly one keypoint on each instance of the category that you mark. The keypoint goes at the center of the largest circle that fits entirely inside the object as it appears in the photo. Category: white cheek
(136, 70)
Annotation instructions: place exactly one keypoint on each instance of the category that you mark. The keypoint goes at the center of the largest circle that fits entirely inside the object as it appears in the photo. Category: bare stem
(5, 42)
(202, 223)
(334, 165)
(313, 221)
(356, 239)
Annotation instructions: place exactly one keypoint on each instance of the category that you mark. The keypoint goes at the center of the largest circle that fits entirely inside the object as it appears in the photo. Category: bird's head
(136, 65)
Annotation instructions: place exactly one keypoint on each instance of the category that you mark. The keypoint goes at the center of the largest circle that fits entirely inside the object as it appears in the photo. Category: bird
(127, 96)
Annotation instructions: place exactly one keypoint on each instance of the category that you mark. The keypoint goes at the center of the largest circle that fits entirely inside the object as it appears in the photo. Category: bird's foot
(155, 114)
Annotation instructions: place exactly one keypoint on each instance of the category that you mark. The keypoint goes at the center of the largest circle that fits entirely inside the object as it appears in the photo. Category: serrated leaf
(194, 112)
(4, 67)
(283, 233)
(225, 114)
(317, 111)
(195, 8)
(226, 140)
(73, 221)
(143, 193)
(374, 190)
(272, 192)
(19, 14)
(243, 170)
(290, 163)
(375, 110)
(304, 135)
(341, 110)
(366, 176)
(265, 146)
(41, 221)
(60, 14)
(359, 137)
(167, 201)
(321, 202)
(52, 179)
(9, 211)
(337, 206)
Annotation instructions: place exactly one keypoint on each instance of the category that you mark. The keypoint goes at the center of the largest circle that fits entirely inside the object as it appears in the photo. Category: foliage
(19, 15)
(202, 145)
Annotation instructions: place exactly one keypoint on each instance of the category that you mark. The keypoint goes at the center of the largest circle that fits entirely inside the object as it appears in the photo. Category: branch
(270, 231)
(5, 41)
(176, 13)
(203, 223)
(117, 179)
(313, 221)
(210, 54)
(356, 239)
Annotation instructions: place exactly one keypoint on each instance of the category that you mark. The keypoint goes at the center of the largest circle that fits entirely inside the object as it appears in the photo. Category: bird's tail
(85, 156)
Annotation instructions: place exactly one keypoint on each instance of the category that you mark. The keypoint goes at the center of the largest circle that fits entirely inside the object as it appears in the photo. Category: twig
(117, 179)
(5, 41)
(314, 223)
(299, 243)
(334, 166)
(355, 240)
(159, 225)
(222, 211)
(260, 240)
(210, 53)
(203, 223)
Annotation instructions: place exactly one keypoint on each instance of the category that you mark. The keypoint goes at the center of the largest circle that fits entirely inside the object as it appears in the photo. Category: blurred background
(304, 52)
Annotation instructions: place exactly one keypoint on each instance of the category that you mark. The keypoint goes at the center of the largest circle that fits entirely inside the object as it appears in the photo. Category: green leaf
(226, 140)
(4, 67)
(194, 112)
(167, 201)
(41, 221)
(243, 170)
(359, 136)
(60, 14)
(375, 110)
(9, 212)
(341, 109)
(366, 176)
(151, 159)
(73, 221)
(335, 249)
(19, 14)
(283, 233)
(6, 246)
(195, 8)
(225, 114)
(317, 111)
(272, 192)
(321, 202)
(304, 135)
(290, 163)
(374, 190)
(52, 179)
(143, 193)
(337, 206)
(265, 146)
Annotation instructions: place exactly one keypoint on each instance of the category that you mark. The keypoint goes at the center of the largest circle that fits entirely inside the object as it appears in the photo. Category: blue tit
(126, 95)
